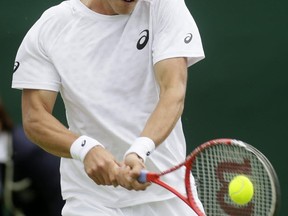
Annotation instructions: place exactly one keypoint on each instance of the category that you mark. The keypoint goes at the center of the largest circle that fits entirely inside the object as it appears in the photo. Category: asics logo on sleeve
(143, 40)
(83, 143)
(16, 66)
(188, 38)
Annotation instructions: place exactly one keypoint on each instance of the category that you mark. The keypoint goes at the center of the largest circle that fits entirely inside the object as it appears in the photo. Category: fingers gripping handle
(143, 176)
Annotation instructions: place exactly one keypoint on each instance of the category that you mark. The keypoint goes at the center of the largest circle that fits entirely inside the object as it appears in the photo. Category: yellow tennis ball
(241, 190)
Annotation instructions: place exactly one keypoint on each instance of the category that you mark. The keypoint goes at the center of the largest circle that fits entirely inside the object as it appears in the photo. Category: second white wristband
(81, 146)
(142, 146)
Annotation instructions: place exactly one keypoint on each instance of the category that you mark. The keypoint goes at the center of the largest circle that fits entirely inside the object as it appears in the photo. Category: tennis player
(121, 69)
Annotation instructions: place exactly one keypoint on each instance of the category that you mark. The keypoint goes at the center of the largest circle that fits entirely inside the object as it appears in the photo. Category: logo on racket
(222, 168)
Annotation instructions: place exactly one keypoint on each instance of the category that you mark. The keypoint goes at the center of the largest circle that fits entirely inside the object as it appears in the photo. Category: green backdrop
(238, 91)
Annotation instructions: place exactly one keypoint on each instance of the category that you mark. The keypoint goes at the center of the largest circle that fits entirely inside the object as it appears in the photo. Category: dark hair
(6, 123)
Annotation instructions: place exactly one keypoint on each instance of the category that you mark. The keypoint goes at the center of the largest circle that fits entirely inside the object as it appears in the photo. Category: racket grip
(143, 176)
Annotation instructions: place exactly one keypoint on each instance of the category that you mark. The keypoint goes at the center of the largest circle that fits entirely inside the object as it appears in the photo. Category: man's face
(121, 6)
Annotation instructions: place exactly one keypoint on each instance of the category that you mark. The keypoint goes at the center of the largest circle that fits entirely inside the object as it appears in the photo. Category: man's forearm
(165, 116)
(50, 134)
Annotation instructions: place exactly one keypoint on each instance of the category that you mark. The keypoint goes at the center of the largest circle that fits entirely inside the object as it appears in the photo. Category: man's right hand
(101, 166)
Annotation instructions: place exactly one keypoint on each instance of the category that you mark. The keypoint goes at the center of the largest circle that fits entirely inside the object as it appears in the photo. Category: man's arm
(171, 74)
(45, 130)
(41, 126)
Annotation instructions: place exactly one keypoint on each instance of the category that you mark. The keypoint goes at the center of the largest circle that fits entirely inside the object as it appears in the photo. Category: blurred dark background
(239, 90)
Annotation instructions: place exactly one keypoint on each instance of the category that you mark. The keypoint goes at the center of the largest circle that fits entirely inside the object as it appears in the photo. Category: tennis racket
(214, 164)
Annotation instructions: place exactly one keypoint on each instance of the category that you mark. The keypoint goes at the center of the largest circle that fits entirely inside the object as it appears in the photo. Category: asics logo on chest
(143, 40)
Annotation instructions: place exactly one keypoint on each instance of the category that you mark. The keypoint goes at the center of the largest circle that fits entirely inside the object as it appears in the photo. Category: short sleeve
(175, 32)
(33, 68)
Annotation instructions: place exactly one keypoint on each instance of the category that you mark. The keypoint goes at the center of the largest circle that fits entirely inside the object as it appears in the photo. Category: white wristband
(81, 146)
(142, 146)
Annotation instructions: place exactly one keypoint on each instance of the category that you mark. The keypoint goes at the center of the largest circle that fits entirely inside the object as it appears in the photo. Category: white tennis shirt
(103, 67)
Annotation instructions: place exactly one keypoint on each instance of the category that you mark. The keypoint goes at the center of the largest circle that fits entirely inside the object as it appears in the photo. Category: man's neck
(99, 6)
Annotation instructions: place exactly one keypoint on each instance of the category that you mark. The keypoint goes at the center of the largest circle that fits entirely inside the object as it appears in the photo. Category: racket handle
(143, 176)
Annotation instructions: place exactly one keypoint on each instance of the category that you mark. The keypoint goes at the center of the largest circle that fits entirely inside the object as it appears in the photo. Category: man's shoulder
(58, 13)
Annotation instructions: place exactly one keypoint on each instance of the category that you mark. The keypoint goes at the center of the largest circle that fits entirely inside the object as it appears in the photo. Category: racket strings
(215, 167)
